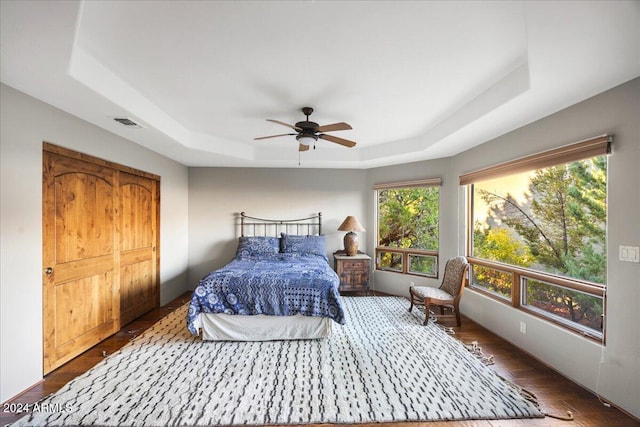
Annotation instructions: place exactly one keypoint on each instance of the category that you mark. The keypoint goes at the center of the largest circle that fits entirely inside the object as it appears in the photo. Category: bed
(279, 286)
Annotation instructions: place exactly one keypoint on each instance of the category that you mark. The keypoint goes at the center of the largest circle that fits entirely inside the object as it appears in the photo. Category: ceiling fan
(309, 132)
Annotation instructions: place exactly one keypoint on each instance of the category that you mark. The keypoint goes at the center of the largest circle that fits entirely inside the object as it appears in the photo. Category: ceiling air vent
(125, 121)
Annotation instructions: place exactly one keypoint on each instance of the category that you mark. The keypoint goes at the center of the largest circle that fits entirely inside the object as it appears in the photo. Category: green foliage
(390, 261)
(560, 228)
(498, 244)
(408, 217)
(571, 305)
(563, 221)
(499, 282)
(423, 264)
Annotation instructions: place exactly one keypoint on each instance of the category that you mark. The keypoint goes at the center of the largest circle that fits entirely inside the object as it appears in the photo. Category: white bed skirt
(260, 327)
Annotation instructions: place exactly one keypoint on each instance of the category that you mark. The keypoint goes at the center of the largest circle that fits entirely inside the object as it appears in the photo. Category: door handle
(48, 270)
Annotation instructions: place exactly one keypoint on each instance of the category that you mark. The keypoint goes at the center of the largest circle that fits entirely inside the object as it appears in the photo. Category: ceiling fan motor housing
(307, 126)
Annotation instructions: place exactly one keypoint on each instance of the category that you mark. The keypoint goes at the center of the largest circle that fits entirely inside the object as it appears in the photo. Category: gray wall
(616, 112)
(216, 195)
(25, 123)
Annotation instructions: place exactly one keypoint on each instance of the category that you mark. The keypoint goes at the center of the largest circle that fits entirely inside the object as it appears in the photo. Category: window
(537, 233)
(407, 225)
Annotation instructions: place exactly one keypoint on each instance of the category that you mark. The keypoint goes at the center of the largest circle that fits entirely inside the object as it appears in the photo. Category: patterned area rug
(382, 366)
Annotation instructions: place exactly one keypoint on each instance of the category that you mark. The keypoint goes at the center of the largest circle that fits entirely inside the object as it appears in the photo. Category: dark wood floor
(555, 393)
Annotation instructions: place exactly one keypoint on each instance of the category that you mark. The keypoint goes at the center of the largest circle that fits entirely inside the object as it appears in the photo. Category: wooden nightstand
(353, 271)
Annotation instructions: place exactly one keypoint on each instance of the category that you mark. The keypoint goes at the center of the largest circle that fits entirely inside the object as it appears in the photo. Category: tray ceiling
(415, 80)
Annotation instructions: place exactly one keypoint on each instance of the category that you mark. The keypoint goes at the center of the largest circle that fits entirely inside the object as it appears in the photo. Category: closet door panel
(74, 320)
(84, 216)
(79, 254)
(138, 252)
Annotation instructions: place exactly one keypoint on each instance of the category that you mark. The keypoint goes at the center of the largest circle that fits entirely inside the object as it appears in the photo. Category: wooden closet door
(138, 253)
(80, 283)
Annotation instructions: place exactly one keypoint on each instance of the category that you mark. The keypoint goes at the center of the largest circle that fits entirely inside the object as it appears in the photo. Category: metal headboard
(273, 227)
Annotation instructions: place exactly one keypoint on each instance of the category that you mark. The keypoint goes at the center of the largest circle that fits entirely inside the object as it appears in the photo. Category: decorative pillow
(257, 245)
(314, 245)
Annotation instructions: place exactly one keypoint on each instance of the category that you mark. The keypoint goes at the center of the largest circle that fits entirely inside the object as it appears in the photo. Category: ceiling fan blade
(337, 140)
(302, 147)
(284, 124)
(275, 136)
(334, 126)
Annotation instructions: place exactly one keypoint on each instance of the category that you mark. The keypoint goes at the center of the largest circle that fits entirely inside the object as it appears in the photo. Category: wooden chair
(448, 294)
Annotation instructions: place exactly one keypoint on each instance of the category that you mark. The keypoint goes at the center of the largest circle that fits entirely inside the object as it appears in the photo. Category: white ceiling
(416, 80)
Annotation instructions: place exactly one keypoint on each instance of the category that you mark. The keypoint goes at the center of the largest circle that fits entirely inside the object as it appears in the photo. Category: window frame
(597, 146)
(406, 253)
(517, 285)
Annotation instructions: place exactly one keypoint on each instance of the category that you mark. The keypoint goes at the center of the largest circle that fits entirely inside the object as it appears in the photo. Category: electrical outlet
(523, 328)
(412, 283)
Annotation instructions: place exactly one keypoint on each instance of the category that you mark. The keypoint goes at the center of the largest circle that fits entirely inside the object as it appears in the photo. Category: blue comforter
(282, 284)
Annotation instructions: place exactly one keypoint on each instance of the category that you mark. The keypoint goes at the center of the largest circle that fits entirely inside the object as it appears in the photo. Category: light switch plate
(629, 253)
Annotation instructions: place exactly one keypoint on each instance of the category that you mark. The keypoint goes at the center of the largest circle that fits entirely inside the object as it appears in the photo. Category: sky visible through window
(517, 185)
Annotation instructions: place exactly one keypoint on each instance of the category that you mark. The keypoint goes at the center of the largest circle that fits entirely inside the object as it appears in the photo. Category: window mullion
(516, 287)
(405, 262)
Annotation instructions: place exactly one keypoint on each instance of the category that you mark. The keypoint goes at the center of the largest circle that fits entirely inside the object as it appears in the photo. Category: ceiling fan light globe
(306, 139)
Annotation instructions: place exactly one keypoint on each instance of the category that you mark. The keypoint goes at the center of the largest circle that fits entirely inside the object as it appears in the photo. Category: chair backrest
(454, 272)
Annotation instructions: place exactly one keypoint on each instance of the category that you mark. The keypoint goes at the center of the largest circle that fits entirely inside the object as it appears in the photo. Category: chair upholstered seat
(429, 292)
(449, 292)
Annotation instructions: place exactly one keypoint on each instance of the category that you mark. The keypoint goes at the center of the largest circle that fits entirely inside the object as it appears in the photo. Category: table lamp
(351, 224)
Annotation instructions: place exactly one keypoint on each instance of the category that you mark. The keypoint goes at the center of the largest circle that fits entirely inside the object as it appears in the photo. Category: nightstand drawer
(358, 264)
